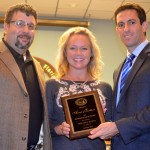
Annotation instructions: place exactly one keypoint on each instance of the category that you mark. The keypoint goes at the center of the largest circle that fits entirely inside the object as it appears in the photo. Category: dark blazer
(14, 104)
(132, 115)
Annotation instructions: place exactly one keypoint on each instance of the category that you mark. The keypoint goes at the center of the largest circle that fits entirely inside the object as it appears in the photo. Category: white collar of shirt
(139, 48)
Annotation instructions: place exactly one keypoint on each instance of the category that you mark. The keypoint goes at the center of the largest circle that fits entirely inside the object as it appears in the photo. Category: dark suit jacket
(14, 104)
(132, 114)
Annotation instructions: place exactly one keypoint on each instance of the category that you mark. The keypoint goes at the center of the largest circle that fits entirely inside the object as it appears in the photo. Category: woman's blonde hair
(95, 64)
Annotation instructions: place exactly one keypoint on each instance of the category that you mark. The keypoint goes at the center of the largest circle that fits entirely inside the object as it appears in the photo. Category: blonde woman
(78, 70)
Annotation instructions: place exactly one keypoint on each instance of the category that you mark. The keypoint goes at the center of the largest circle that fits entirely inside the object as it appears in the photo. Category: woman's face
(78, 51)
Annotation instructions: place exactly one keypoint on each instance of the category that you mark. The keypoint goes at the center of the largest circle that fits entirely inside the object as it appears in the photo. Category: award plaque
(83, 112)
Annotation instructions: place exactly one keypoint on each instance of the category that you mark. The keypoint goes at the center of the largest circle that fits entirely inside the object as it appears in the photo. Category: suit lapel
(136, 66)
(116, 79)
(116, 76)
(40, 76)
(10, 62)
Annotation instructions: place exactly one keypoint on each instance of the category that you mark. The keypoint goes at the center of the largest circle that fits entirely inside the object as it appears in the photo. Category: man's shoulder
(2, 46)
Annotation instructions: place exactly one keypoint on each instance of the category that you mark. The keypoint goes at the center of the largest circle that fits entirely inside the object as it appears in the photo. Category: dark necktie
(126, 69)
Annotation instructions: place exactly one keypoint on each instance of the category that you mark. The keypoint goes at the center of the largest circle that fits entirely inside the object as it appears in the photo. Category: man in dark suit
(130, 126)
(23, 105)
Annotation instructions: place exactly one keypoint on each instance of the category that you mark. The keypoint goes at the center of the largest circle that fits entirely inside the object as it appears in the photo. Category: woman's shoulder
(104, 84)
(101, 82)
(52, 82)
(56, 81)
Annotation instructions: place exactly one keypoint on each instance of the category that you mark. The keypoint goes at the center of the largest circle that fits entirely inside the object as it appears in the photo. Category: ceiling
(75, 9)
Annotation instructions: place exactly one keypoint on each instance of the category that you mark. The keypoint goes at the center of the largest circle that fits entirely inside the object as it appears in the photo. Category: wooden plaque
(83, 112)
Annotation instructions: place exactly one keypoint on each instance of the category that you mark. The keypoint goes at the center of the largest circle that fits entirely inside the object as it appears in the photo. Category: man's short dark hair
(25, 8)
(132, 6)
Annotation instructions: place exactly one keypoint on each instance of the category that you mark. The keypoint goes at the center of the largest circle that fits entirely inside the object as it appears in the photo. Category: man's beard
(19, 45)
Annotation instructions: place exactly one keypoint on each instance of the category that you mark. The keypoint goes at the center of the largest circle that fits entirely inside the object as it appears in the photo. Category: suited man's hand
(104, 131)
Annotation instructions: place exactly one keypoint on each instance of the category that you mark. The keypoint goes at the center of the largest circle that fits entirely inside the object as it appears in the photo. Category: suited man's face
(130, 30)
(17, 35)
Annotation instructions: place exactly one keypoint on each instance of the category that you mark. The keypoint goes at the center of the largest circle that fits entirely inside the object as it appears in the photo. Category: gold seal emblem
(81, 101)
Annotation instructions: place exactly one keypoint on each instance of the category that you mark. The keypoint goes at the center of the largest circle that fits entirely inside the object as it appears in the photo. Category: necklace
(78, 85)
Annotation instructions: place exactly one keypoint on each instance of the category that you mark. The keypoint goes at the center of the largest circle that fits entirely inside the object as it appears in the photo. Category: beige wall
(113, 51)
